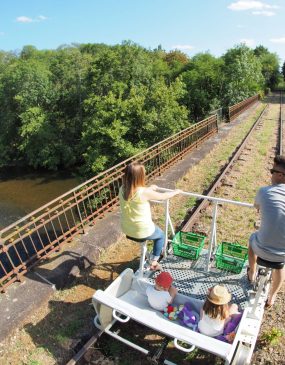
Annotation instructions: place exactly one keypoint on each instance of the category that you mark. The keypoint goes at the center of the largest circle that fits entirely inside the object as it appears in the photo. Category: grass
(62, 294)
(68, 331)
(34, 362)
(272, 337)
(253, 174)
(38, 357)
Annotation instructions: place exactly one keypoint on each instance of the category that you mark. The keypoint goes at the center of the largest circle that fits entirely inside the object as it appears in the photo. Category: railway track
(202, 204)
(192, 217)
(195, 213)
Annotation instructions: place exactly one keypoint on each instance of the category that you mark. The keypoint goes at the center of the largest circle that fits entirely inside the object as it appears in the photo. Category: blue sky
(189, 25)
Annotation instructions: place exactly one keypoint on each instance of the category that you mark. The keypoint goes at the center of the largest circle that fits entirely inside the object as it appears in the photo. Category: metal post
(213, 236)
(166, 227)
(142, 259)
(78, 210)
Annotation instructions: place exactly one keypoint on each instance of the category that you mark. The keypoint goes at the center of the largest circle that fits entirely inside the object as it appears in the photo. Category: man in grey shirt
(269, 241)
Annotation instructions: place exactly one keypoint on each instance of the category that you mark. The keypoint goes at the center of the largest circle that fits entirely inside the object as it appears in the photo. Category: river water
(21, 193)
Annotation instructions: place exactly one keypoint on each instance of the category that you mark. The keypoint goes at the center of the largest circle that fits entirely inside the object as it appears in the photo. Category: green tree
(243, 74)
(176, 62)
(39, 139)
(29, 52)
(41, 97)
(119, 126)
(128, 64)
(92, 105)
(203, 79)
(5, 59)
(70, 70)
(23, 84)
(270, 66)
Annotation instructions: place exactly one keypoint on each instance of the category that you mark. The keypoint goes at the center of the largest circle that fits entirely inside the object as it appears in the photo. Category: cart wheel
(241, 355)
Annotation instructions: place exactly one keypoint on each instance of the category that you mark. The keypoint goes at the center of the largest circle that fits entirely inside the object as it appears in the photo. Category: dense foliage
(90, 106)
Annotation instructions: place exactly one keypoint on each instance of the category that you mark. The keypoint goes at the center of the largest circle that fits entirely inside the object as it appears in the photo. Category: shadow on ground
(120, 354)
(69, 322)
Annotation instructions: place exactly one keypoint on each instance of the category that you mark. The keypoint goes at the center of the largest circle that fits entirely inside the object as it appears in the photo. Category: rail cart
(125, 298)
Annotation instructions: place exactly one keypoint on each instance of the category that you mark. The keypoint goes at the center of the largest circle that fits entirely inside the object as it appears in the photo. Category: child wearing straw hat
(162, 293)
(216, 311)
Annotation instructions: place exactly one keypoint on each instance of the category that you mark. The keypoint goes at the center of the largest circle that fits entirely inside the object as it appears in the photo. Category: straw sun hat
(219, 295)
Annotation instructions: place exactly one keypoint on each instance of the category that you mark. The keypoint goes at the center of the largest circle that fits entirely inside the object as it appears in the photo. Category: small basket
(231, 257)
(188, 244)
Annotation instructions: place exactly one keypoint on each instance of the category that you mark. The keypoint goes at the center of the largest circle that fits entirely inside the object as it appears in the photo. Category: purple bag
(188, 317)
(230, 327)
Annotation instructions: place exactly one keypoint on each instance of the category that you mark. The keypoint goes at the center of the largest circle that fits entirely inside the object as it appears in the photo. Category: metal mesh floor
(191, 279)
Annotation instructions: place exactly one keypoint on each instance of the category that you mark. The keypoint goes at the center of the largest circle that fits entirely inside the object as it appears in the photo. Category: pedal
(262, 271)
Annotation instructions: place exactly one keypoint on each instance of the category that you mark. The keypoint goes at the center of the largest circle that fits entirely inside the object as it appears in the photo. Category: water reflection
(21, 193)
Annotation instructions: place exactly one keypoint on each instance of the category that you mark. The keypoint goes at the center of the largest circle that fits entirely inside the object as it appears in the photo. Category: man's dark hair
(280, 161)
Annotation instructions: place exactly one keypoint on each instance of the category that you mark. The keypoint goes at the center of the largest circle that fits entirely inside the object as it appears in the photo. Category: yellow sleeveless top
(136, 215)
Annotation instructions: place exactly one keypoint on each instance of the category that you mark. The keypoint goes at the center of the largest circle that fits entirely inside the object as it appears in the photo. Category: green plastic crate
(231, 257)
(188, 244)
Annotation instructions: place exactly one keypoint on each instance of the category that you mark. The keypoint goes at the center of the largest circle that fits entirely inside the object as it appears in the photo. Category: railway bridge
(72, 230)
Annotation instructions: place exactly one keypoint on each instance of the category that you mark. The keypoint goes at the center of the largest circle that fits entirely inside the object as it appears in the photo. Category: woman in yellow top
(136, 221)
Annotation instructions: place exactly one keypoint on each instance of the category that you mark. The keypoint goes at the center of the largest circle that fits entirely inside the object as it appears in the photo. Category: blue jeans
(158, 238)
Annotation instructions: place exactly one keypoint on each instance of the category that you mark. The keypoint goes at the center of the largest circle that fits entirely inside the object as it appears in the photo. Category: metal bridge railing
(240, 107)
(40, 233)
(220, 115)
(32, 238)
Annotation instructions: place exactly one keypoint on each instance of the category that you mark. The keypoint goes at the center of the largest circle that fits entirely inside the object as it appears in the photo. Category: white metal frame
(213, 234)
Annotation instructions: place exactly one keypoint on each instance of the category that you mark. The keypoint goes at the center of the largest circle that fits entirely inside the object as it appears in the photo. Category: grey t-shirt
(271, 235)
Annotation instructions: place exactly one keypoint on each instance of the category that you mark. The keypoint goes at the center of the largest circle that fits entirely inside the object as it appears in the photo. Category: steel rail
(80, 354)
